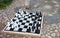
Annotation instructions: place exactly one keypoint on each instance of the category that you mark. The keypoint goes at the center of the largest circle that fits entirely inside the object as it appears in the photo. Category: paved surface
(51, 27)
(53, 19)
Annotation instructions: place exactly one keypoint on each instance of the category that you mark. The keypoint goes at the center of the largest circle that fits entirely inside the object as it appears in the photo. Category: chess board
(26, 22)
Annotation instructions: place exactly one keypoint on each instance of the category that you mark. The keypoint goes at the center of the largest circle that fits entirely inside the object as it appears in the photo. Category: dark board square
(22, 23)
(37, 31)
(34, 21)
(39, 19)
(20, 29)
(30, 24)
(11, 29)
(25, 26)
(20, 20)
(29, 17)
(25, 18)
(18, 25)
(14, 20)
(27, 21)
(10, 25)
(36, 18)
(31, 13)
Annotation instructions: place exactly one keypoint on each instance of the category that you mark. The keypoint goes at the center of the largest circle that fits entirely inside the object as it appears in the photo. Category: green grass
(5, 3)
(48, 0)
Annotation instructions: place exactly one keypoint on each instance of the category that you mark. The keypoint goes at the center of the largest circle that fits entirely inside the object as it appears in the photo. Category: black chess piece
(36, 17)
(37, 25)
(24, 12)
(10, 25)
(33, 19)
(40, 14)
(18, 25)
(11, 29)
(34, 22)
(37, 13)
(39, 19)
(14, 20)
(18, 12)
(37, 29)
(33, 27)
(29, 29)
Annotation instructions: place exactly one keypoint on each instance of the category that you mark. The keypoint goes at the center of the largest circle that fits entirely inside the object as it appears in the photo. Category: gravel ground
(9, 12)
(51, 26)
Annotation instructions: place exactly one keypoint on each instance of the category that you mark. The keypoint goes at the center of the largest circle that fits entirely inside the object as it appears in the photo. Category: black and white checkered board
(25, 22)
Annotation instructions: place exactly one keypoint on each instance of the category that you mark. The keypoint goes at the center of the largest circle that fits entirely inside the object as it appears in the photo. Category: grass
(5, 3)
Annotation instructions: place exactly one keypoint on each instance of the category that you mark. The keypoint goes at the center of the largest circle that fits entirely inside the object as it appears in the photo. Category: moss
(48, 0)
(5, 3)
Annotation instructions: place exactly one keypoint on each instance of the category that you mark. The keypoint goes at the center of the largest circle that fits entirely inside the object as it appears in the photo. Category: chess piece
(29, 29)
